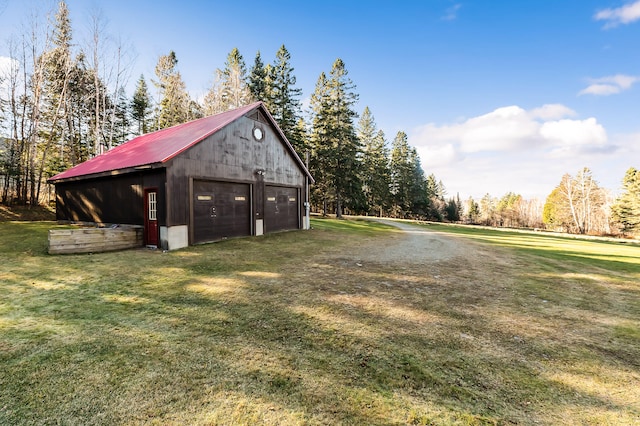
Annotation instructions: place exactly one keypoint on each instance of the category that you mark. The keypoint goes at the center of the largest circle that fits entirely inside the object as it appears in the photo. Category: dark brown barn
(228, 175)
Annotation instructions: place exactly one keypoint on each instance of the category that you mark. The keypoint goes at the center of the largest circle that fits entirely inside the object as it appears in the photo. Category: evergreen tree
(194, 110)
(375, 174)
(452, 211)
(508, 210)
(321, 149)
(235, 90)
(472, 211)
(401, 174)
(437, 203)
(626, 210)
(257, 79)
(174, 100)
(418, 191)
(79, 142)
(57, 67)
(348, 188)
(269, 83)
(335, 146)
(301, 133)
(141, 106)
(283, 103)
(230, 88)
(122, 123)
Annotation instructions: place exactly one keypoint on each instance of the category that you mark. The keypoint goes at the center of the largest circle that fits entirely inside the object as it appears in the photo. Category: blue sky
(497, 96)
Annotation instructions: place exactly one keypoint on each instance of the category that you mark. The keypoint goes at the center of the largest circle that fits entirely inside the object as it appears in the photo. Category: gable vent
(258, 116)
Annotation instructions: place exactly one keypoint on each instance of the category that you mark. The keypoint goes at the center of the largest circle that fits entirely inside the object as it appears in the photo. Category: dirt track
(418, 245)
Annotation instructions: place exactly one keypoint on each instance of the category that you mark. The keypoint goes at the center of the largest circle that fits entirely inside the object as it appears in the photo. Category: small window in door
(153, 206)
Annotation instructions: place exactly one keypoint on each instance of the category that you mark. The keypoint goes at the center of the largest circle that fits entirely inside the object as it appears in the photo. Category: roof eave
(140, 168)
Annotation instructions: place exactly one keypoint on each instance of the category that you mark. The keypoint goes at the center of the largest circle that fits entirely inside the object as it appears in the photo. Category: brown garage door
(220, 210)
(281, 210)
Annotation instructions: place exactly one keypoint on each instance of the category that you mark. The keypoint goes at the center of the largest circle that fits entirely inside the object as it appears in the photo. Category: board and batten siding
(109, 199)
(233, 155)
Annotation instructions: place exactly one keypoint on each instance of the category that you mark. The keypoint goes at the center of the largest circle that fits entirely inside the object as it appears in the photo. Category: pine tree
(335, 146)
(141, 106)
(122, 123)
(508, 210)
(79, 141)
(257, 83)
(452, 211)
(235, 90)
(174, 100)
(418, 190)
(321, 148)
(409, 188)
(401, 174)
(348, 188)
(230, 88)
(375, 173)
(626, 210)
(472, 211)
(283, 103)
(57, 67)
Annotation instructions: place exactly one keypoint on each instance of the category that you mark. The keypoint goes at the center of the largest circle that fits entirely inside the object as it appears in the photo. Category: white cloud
(5, 65)
(451, 13)
(511, 149)
(442, 155)
(5, 68)
(610, 85)
(552, 112)
(600, 90)
(503, 129)
(569, 137)
(621, 15)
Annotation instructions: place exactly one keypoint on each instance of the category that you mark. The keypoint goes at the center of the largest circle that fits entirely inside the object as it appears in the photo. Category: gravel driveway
(417, 245)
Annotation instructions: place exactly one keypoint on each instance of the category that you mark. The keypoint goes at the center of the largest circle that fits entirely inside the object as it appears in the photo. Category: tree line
(578, 205)
(58, 107)
(65, 104)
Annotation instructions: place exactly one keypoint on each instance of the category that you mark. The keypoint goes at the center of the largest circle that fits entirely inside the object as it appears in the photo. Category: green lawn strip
(274, 330)
(610, 255)
(583, 300)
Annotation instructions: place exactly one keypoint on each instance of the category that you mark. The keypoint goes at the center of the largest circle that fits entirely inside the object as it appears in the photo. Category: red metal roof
(158, 147)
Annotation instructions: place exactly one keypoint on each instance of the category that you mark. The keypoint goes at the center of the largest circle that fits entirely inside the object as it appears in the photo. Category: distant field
(295, 328)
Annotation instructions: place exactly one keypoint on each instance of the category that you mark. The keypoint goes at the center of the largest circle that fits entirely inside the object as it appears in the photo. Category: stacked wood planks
(94, 240)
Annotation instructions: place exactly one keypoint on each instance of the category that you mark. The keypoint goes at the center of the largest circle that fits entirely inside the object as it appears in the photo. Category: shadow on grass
(275, 331)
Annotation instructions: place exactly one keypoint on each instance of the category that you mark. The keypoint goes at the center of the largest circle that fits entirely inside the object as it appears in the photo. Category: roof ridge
(156, 147)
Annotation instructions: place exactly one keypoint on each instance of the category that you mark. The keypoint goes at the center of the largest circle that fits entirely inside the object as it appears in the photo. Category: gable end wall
(231, 154)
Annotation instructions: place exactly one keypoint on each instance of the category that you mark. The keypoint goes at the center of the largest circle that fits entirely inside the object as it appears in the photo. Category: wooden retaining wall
(94, 240)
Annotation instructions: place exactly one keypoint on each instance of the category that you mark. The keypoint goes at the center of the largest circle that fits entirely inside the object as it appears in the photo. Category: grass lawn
(291, 328)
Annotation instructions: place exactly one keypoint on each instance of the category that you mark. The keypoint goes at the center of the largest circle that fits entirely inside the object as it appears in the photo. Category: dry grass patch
(308, 328)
